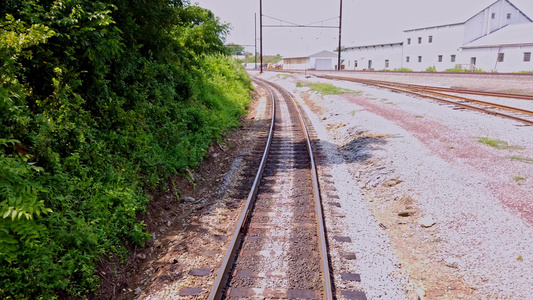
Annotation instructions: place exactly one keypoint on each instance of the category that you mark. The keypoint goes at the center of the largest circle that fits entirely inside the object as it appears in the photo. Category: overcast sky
(363, 20)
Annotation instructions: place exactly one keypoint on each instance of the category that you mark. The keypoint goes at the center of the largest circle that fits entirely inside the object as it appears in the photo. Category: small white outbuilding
(324, 60)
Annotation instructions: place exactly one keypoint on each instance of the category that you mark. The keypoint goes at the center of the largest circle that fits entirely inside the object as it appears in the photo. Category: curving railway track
(278, 249)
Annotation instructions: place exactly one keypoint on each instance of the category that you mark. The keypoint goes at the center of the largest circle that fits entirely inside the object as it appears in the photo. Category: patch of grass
(431, 69)
(327, 88)
(524, 72)
(353, 112)
(519, 180)
(403, 70)
(514, 91)
(498, 144)
(522, 159)
(419, 116)
(284, 76)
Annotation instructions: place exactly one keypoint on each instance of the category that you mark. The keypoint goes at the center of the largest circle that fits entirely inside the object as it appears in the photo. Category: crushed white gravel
(480, 198)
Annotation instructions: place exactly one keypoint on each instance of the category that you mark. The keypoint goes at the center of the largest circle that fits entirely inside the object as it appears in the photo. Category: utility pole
(261, 35)
(340, 30)
(255, 42)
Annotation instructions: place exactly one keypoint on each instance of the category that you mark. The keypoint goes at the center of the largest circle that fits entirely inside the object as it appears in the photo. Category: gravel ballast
(468, 226)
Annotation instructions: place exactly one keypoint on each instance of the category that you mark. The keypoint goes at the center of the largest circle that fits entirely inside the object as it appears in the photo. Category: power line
(292, 25)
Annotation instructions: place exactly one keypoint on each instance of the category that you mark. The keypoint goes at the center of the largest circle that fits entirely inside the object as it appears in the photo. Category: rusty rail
(222, 277)
(433, 93)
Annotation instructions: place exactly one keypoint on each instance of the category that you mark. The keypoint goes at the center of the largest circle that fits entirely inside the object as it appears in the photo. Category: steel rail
(424, 95)
(435, 88)
(422, 91)
(223, 274)
(328, 287)
(430, 90)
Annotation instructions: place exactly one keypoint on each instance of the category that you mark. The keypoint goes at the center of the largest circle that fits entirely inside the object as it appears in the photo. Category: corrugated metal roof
(519, 34)
(324, 54)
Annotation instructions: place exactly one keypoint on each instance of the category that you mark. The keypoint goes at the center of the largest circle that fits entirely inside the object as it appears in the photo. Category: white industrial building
(323, 60)
(497, 37)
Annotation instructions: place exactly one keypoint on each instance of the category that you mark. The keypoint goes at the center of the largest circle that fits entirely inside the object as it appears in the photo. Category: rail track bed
(279, 249)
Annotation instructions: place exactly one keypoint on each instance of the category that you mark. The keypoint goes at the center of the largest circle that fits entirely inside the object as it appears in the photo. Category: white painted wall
(310, 63)
(513, 58)
(447, 41)
(377, 54)
(295, 66)
(483, 24)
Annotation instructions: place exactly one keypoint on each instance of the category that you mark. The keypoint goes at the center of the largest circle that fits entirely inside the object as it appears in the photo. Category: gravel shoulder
(436, 213)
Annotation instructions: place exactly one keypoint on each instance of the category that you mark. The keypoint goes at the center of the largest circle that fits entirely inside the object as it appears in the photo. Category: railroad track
(451, 96)
(278, 249)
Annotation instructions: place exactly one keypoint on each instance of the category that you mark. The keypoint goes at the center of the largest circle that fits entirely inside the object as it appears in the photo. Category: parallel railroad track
(433, 88)
(279, 247)
(449, 96)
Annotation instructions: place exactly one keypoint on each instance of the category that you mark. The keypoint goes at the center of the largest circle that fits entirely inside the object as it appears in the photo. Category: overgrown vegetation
(498, 144)
(431, 69)
(98, 100)
(326, 88)
(267, 59)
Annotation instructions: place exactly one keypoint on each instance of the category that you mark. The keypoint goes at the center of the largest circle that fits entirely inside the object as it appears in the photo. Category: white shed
(323, 60)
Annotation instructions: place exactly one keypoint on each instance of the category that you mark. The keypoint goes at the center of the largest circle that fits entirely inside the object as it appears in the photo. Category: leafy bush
(431, 69)
(99, 100)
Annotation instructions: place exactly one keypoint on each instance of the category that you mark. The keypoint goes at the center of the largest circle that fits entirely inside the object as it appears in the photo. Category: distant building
(497, 37)
(324, 60)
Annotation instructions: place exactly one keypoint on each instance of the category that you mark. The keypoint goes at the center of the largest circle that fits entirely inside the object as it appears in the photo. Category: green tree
(236, 49)
(100, 101)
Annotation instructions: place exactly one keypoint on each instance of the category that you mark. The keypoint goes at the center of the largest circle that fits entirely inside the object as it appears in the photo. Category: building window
(407, 59)
(500, 57)
(440, 58)
(508, 16)
(452, 58)
(420, 40)
(409, 41)
(430, 39)
(355, 64)
(420, 59)
(493, 16)
(386, 63)
(527, 56)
